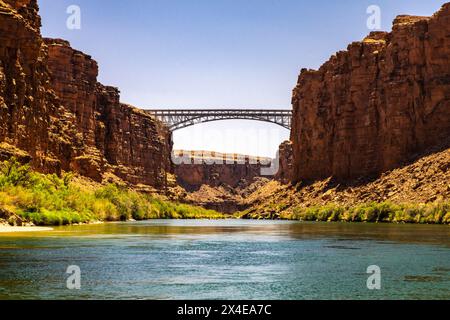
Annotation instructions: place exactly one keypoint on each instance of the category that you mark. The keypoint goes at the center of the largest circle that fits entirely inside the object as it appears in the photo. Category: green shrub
(433, 213)
(52, 200)
(12, 173)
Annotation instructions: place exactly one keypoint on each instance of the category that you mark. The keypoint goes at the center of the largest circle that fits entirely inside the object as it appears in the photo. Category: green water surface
(230, 259)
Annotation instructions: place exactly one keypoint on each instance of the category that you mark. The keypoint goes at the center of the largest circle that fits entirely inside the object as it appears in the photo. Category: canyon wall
(55, 113)
(216, 169)
(115, 137)
(370, 108)
(33, 125)
(286, 163)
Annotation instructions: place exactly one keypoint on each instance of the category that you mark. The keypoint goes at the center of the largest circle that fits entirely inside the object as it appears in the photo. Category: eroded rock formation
(31, 118)
(115, 137)
(216, 169)
(286, 163)
(53, 110)
(424, 181)
(371, 107)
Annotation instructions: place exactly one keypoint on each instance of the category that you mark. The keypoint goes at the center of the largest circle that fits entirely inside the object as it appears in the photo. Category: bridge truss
(179, 119)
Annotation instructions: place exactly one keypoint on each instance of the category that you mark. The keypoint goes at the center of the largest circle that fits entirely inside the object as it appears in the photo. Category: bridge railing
(182, 118)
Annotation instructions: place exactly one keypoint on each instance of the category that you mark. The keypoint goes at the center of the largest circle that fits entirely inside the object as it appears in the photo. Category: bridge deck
(182, 118)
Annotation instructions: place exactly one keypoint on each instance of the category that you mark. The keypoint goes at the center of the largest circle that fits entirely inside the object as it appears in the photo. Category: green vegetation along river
(227, 259)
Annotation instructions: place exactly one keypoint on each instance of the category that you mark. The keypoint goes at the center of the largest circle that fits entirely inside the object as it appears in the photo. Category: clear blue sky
(217, 53)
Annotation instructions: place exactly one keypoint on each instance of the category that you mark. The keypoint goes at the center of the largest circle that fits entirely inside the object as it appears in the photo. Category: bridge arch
(179, 119)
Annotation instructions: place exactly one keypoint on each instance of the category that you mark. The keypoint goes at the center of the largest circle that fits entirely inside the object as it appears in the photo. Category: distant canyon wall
(217, 169)
(371, 107)
(54, 112)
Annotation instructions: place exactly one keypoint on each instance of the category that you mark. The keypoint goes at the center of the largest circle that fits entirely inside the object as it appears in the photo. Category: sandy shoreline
(9, 229)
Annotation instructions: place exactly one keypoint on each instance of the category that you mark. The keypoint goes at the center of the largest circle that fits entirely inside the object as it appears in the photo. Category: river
(230, 259)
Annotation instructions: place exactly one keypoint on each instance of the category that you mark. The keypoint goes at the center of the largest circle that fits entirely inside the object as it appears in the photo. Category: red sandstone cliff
(371, 107)
(31, 119)
(54, 112)
(116, 137)
(286, 163)
(216, 169)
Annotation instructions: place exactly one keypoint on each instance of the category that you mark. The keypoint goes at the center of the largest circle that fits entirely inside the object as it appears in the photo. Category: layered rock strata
(32, 120)
(216, 169)
(116, 137)
(371, 107)
(54, 113)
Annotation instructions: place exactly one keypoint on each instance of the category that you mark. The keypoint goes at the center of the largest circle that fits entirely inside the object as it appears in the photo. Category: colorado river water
(231, 259)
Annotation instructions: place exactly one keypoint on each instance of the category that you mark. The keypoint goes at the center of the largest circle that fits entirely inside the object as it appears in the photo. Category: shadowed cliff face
(370, 108)
(53, 110)
(286, 163)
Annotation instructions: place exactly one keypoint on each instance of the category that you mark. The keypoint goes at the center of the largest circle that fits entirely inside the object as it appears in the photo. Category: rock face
(286, 163)
(216, 169)
(425, 180)
(53, 108)
(115, 137)
(216, 180)
(371, 107)
(31, 118)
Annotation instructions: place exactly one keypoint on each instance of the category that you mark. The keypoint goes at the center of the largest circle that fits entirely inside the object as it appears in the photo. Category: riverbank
(418, 192)
(384, 212)
(28, 197)
(11, 229)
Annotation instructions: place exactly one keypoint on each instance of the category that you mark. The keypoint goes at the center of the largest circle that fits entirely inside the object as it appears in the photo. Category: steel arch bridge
(179, 119)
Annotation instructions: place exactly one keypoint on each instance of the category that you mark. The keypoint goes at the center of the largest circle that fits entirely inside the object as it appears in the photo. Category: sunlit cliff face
(17, 4)
(28, 9)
